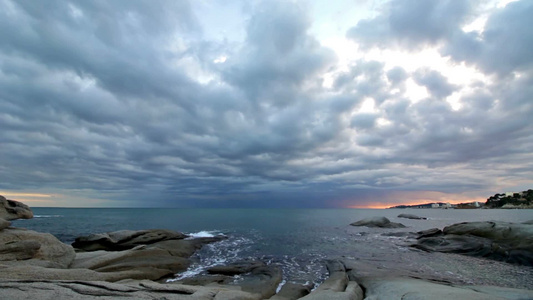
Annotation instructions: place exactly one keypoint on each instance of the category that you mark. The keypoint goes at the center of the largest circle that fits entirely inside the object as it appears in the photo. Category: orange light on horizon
(415, 198)
(31, 195)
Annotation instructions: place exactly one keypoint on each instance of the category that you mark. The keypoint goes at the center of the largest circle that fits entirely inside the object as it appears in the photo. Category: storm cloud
(139, 103)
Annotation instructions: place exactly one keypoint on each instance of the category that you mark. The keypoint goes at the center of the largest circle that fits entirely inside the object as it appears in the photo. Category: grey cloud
(435, 82)
(364, 120)
(412, 23)
(503, 46)
(397, 75)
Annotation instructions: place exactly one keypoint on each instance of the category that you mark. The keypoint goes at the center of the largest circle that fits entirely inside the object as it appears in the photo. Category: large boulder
(165, 253)
(380, 222)
(28, 247)
(124, 239)
(503, 241)
(12, 210)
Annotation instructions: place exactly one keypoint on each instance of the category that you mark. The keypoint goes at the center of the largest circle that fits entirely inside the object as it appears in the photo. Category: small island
(508, 200)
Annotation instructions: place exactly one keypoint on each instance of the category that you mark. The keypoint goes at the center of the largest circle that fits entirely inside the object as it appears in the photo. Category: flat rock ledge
(379, 222)
(343, 283)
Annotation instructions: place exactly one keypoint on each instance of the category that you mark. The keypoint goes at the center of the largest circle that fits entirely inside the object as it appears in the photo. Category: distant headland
(508, 200)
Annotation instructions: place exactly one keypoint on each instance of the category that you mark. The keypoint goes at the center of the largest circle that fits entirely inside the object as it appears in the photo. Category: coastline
(387, 261)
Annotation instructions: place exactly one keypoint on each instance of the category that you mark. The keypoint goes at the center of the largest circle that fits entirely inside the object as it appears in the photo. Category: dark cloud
(126, 100)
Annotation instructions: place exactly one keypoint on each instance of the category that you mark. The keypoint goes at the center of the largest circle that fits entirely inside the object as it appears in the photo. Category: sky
(239, 103)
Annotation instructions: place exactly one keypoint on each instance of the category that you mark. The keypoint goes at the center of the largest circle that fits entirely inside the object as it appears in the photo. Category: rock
(124, 239)
(262, 281)
(380, 222)
(503, 241)
(20, 250)
(30, 272)
(399, 288)
(255, 278)
(291, 291)
(89, 290)
(530, 222)
(497, 231)
(4, 224)
(12, 210)
(236, 268)
(34, 248)
(467, 245)
(149, 263)
(337, 286)
(410, 216)
(153, 261)
(429, 233)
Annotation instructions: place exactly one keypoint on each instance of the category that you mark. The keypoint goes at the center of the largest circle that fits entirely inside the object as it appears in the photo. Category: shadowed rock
(412, 217)
(124, 239)
(4, 224)
(503, 241)
(166, 252)
(380, 222)
(429, 233)
(236, 268)
(12, 210)
(292, 291)
(255, 278)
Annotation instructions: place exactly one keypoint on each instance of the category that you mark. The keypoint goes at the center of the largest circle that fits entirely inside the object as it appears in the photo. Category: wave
(204, 234)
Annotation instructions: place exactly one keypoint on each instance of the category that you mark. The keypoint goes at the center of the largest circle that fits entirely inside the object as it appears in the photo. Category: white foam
(203, 234)
(47, 216)
(281, 284)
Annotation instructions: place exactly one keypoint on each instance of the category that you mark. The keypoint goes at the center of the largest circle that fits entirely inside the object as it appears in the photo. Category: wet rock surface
(380, 222)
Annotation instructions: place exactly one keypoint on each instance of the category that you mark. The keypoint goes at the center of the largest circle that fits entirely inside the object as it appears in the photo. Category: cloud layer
(138, 103)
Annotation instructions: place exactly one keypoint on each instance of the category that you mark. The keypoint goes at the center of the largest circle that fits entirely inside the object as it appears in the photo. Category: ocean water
(298, 240)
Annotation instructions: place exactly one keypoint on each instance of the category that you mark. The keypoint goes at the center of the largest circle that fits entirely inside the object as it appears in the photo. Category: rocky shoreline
(137, 264)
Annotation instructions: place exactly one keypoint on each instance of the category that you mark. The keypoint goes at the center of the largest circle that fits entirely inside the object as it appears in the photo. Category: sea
(300, 241)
